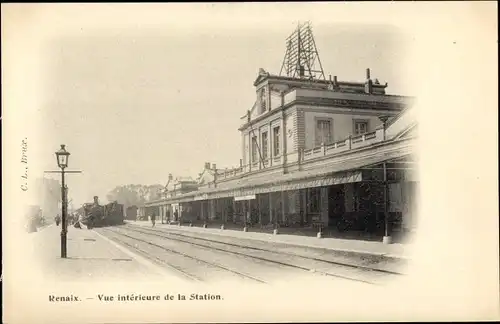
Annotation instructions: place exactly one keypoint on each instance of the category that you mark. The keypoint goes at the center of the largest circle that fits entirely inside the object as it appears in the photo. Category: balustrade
(341, 146)
(325, 149)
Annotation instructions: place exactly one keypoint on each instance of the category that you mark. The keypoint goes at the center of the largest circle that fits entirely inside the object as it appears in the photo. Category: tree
(48, 196)
(134, 194)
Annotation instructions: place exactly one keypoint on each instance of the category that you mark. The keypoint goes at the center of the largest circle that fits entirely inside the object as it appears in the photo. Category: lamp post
(62, 161)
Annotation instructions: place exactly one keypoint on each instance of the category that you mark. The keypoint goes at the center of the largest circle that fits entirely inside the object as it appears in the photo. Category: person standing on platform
(90, 221)
(153, 219)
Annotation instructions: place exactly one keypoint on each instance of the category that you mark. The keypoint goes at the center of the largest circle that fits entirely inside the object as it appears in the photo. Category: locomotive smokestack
(96, 200)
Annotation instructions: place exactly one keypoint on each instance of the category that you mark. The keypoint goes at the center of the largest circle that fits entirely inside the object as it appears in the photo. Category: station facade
(314, 154)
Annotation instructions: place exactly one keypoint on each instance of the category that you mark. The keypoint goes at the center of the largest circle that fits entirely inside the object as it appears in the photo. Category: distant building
(173, 188)
(48, 196)
(131, 213)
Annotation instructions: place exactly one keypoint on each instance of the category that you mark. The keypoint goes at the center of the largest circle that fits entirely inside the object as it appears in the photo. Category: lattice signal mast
(301, 58)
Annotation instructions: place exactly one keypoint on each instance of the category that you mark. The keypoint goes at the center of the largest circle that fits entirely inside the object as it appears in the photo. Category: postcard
(250, 162)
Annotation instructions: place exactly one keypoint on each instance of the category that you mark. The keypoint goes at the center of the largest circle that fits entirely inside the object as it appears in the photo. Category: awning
(247, 192)
(346, 171)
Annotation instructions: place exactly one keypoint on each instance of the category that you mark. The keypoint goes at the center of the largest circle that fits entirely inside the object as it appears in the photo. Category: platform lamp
(62, 161)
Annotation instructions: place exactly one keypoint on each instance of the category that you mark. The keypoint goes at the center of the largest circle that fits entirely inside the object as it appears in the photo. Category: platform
(397, 250)
(90, 256)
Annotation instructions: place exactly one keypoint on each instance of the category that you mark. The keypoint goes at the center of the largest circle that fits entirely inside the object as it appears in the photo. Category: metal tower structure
(301, 57)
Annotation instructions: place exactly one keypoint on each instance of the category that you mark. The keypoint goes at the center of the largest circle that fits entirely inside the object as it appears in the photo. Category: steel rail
(149, 255)
(259, 258)
(216, 265)
(280, 252)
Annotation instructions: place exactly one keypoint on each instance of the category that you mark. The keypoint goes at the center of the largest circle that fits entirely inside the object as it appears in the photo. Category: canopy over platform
(339, 173)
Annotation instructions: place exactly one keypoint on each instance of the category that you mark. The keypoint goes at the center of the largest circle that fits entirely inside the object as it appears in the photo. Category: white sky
(150, 95)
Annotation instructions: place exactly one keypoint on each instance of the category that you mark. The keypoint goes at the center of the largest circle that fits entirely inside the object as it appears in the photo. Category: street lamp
(62, 161)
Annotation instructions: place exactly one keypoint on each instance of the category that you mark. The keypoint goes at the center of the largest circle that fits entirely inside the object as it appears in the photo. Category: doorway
(336, 204)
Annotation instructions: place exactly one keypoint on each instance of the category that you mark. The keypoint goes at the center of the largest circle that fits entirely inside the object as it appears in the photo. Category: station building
(317, 154)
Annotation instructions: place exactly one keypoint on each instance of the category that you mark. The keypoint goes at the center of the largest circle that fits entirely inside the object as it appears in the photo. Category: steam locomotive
(96, 215)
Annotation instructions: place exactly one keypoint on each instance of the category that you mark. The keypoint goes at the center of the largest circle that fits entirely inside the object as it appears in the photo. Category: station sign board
(248, 197)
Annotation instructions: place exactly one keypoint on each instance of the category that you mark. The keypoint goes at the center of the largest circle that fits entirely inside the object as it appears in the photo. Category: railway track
(303, 263)
(185, 270)
(183, 274)
(389, 272)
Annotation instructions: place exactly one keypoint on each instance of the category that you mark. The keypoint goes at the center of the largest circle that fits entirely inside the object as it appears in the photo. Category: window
(254, 149)
(264, 145)
(276, 141)
(262, 100)
(360, 127)
(323, 131)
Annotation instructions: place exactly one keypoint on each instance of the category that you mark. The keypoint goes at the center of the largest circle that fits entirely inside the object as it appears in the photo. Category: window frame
(265, 156)
(276, 143)
(316, 129)
(358, 120)
(262, 99)
(254, 147)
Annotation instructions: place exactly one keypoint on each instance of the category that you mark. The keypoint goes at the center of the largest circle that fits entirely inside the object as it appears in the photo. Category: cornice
(328, 102)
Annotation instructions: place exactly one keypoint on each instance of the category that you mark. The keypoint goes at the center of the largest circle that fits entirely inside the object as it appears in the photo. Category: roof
(266, 75)
(325, 171)
(345, 165)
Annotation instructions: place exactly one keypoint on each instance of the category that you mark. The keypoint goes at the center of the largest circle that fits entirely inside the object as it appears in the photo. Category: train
(96, 215)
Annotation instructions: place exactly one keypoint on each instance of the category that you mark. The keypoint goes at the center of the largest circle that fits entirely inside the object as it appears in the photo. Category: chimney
(207, 165)
(241, 162)
(335, 80)
(214, 166)
(96, 200)
(170, 177)
(368, 86)
(367, 74)
(330, 83)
